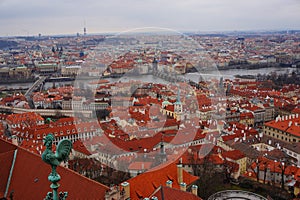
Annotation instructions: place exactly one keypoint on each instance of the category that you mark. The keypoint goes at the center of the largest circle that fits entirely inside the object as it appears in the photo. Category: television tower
(84, 29)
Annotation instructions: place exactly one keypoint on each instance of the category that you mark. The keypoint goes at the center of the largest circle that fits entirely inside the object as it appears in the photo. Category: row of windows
(281, 136)
(61, 132)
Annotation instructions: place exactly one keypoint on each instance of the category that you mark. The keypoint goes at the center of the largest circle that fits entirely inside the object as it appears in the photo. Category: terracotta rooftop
(80, 147)
(167, 193)
(289, 124)
(143, 185)
(234, 155)
(29, 178)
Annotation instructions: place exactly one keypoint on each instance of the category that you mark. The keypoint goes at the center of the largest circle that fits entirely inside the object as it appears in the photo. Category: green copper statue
(54, 159)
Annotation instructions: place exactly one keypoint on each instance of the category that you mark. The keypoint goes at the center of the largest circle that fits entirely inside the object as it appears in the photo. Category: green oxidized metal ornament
(54, 159)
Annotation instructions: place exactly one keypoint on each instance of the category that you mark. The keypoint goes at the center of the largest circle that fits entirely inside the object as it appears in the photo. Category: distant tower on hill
(84, 29)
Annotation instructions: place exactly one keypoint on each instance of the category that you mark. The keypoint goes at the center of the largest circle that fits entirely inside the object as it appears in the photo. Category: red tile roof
(30, 177)
(81, 148)
(276, 166)
(286, 124)
(234, 155)
(140, 166)
(144, 184)
(168, 193)
(29, 119)
(296, 110)
(247, 115)
(5, 169)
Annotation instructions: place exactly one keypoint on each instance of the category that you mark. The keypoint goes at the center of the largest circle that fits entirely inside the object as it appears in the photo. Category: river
(150, 78)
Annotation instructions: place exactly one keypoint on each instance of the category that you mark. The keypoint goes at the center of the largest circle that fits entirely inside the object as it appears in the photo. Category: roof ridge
(11, 172)
(156, 190)
(65, 168)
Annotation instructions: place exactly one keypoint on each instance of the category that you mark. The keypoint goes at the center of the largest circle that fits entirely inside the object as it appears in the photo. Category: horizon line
(182, 31)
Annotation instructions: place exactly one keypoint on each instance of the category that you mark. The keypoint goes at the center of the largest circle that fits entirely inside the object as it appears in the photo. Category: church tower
(154, 65)
(162, 154)
(178, 106)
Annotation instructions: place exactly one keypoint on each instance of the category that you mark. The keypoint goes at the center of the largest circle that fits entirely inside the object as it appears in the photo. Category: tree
(265, 171)
(210, 179)
(283, 167)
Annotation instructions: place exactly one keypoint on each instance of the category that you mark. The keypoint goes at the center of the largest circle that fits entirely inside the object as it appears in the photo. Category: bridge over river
(47, 112)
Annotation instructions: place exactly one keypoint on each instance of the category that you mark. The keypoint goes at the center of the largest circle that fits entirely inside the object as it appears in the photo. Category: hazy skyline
(31, 17)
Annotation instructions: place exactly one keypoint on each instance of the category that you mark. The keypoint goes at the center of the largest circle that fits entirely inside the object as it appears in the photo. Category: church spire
(178, 96)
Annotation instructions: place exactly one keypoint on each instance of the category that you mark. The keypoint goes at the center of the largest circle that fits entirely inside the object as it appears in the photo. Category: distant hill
(7, 44)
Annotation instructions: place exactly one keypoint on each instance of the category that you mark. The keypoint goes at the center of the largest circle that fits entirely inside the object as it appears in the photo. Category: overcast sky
(30, 17)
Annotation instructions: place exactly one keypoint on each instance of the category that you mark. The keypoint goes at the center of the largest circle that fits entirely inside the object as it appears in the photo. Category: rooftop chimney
(183, 186)
(179, 173)
(169, 183)
(195, 190)
(126, 188)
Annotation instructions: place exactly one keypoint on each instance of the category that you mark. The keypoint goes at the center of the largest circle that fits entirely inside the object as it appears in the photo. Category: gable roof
(234, 154)
(81, 148)
(29, 178)
(167, 193)
(144, 184)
